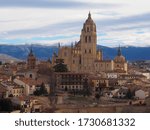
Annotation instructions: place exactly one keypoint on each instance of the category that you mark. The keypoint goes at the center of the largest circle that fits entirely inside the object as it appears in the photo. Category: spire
(31, 51)
(72, 45)
(49, 60)
(119, 51)
(89, 20)
(58, 45)
(89, 15)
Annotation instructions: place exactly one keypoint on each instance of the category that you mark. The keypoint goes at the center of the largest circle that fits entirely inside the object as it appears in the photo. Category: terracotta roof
(30, 81)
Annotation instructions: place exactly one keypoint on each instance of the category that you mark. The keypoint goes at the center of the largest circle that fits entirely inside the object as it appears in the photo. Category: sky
(48, 22)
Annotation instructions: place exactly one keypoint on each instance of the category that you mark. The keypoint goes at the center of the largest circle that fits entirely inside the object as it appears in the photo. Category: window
(90, 51)
(89, 38)
(65, 53)
(30, 76)
(86, 39)
(88, 29)
(73, 61)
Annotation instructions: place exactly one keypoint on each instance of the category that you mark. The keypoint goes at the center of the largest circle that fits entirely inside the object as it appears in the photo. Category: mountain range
(43, 52)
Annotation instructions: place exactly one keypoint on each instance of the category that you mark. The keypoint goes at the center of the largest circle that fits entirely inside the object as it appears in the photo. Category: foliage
(6, 105)
(129, 94)
(41, 91)
(60, 66)
(86, 88)
(97, 96)
(11, 95)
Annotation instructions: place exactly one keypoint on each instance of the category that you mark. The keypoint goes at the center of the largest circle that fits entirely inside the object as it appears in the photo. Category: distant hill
(7, 59)
(22, 51)
(44, 52)
(131, 53)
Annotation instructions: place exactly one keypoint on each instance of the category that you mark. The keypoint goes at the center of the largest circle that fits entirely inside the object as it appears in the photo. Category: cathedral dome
(119, 58)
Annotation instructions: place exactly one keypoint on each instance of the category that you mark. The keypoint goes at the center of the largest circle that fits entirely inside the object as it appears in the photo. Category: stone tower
(88, 41)
(31, 61)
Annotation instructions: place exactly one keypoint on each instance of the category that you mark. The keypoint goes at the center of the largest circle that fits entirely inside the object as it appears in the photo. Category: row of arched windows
(88, 39)
(86, 51)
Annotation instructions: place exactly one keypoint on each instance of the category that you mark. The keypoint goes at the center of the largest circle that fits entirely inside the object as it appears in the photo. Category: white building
(140, 94)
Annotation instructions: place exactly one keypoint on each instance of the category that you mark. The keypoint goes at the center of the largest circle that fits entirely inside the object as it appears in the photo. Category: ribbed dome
(120, 59)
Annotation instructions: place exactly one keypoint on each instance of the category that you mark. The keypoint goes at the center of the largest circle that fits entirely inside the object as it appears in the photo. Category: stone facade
(31, 61)
(84, 56)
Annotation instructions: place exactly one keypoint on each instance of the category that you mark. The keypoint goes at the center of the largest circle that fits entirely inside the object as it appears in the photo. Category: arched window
(30, 76)
(89, 38)
(88, 29)
(65, 53)
(86, 39)
(73, 61)
(90, 51)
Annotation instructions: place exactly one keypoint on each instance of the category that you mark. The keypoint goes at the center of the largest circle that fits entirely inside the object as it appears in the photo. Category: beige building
(17, 91)
(83, 57)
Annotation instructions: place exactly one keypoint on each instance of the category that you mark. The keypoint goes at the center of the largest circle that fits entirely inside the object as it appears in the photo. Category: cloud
(51, 21)
(53, 4)
(134, 19)
(110, 31)
(125, 23)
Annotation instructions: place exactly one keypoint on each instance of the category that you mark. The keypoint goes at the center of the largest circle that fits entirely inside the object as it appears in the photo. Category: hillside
(44, 52)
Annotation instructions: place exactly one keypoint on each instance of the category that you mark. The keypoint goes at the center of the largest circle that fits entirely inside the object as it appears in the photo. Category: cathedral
(84, 56)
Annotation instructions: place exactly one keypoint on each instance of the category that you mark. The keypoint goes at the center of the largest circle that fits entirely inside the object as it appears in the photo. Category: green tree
(97, 96)
(6, 105)
(86, 88)
(60, 66)
(129, 94)
(10, 95)
(41, 90)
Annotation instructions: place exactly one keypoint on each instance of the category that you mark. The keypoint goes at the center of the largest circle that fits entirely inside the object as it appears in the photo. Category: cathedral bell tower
(88, 41)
